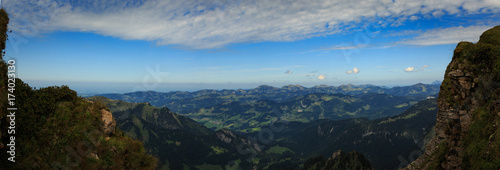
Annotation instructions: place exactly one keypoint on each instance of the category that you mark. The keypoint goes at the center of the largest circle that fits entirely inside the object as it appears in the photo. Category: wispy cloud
(216, 23)
(270, 69)
(422, 68)
(345, 47)
(288, 72)
(452, 35)
(355, 70)
(403, 33)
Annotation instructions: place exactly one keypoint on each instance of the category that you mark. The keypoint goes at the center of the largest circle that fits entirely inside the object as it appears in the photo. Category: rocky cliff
(468, 124)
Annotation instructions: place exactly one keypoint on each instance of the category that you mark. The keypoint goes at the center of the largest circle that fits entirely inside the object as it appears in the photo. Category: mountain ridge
(182, 102)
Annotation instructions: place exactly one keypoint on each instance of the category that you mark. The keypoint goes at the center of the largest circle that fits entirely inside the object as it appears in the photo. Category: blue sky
(123, 46)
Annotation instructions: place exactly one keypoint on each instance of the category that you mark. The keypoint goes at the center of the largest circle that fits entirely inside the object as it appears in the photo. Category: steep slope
(53, 128)
(468, 120)
(177, 140)
(84, 133)
(161, 117)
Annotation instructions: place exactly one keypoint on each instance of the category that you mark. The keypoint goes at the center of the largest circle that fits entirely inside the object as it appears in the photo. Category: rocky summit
(468, 124)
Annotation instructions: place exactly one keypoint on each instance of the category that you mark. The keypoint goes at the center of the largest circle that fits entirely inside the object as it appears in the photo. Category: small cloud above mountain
(412, 69)
(355, 70)
(321, 77)
(409, 69)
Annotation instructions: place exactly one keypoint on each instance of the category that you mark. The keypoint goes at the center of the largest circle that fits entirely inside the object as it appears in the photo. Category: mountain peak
(293, 87)
(437, 82)
(265, 87)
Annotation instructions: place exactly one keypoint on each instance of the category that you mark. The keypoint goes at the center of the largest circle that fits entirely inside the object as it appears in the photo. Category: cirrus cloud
(451, 35)
(217, 23)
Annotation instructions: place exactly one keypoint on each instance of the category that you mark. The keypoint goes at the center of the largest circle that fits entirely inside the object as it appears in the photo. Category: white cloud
(355, 70)
(321, 77)
(216, 23)
(409, 69)
(288, 72)
(451, 35)
(438, 13)
(413, 18)
(345, 47)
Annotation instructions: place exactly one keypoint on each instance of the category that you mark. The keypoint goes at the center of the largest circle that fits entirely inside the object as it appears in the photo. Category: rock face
(109, 123)
(230, 137)
(468, 109)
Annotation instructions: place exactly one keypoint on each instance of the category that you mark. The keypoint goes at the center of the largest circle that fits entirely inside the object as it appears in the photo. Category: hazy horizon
(93, 88)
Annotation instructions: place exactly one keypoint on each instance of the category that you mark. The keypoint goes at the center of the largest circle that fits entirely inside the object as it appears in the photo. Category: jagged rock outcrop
(225, 135)
(229, 137)
(109, 123)
(469, 109)
(339, 161)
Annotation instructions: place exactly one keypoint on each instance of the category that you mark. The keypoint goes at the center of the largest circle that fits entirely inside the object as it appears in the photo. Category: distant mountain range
(248, 110)
(248, 117)
(187, 102)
